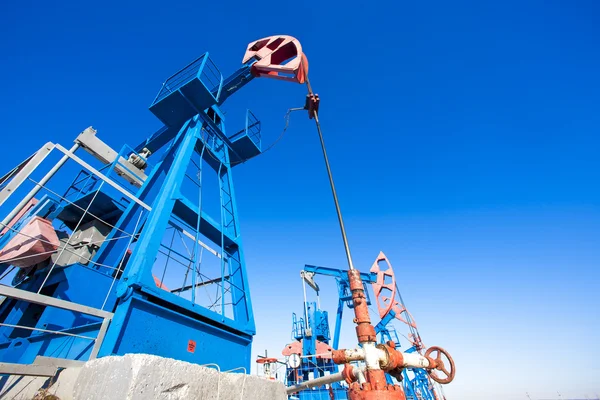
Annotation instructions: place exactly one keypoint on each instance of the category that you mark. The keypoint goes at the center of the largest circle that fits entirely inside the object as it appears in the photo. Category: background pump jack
(309, 355)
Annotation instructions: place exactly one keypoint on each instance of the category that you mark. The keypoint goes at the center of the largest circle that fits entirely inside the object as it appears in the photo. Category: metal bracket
(103, 152)
(309, 278)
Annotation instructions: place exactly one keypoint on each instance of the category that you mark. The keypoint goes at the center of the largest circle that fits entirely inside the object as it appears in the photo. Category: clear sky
(463, 138)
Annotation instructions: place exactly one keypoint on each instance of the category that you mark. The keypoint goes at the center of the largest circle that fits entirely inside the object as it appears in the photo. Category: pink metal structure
(323, 349)
(386, 292)
(35, 243)
(279, 57)
(19, 215)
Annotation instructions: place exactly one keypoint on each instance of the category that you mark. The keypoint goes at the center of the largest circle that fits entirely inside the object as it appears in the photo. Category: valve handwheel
(265, 360)
(436, 354)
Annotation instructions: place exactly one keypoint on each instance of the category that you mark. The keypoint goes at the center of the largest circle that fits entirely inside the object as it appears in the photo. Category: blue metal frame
(147, 317)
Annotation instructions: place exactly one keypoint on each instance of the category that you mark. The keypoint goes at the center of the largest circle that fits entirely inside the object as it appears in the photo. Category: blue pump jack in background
(314, 328)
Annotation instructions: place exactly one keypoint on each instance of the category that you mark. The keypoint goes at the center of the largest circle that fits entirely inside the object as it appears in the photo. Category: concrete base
(142, 376)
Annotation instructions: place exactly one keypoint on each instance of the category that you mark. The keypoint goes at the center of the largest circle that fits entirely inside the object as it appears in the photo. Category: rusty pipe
(387, 358)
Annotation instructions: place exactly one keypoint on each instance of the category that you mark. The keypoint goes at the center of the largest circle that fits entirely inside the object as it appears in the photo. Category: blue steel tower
(129, 257)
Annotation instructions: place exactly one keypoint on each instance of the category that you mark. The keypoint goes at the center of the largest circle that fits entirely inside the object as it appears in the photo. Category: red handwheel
(436, 354)
(265, 360)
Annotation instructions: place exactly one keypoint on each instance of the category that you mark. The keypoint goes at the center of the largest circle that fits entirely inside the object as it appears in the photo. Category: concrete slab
(142, 376)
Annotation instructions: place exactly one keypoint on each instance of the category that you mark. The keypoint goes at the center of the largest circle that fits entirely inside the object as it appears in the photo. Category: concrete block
(142, 376)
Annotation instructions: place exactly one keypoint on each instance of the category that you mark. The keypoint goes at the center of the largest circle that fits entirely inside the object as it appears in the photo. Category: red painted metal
(364, 330)
(394, 359)
(158, 283)
(266, 360)
(385, 292)
(292, 348)
(20, 214)
(35, 242)
(279, 57)
(323, 349)
(391, 361)
(348, 373)
(365, 392)
(440, 365)
(375, 386)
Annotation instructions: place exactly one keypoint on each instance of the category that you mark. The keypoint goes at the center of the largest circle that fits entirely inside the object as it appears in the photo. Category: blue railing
(202, 68)
(297, 327)
(252, 130)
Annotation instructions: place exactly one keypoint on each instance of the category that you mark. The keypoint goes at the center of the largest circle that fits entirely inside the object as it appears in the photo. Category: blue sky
(463, 138)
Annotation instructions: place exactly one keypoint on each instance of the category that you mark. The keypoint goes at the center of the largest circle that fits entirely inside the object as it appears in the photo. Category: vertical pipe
(222, 241)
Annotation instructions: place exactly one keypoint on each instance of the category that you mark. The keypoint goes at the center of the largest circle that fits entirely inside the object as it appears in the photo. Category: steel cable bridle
(329, 174)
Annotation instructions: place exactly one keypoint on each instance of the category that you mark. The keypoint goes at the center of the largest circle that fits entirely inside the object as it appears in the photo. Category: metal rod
(197, 285)
(121, 262)
(324, 380)
(36, 189)
(21, 172)
(47, 331)
(333, 191)
(307, 326)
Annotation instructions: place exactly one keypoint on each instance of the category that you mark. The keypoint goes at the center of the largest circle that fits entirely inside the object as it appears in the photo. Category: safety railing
(188, 267)
(11, 181)
(48, 366)
(203, 68)
(83, 183)
(252, 130)
(212, 77)
(297, 327)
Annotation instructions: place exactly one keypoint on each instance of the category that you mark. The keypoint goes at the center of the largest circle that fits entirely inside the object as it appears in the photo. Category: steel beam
(339, 273)
(57, 362)
(100, 175)
(52, 302)
(22, 171)
(27, 369)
